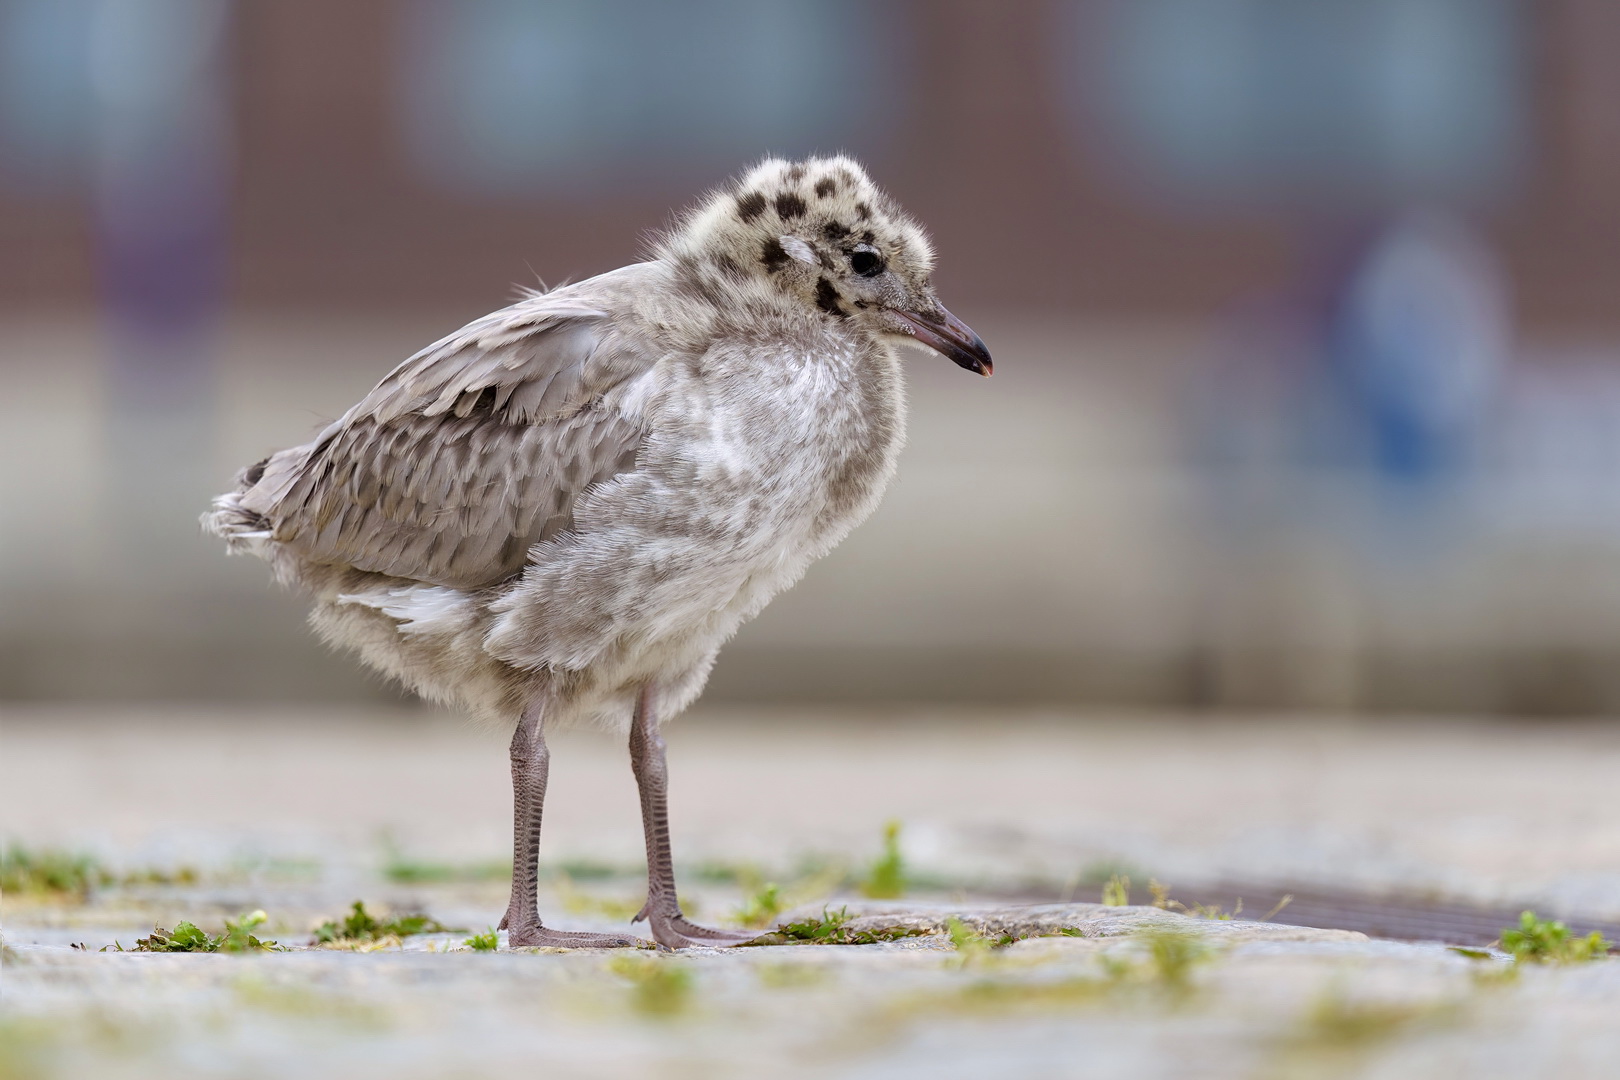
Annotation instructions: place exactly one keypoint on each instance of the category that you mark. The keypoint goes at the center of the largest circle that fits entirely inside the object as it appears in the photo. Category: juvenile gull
(560, 512)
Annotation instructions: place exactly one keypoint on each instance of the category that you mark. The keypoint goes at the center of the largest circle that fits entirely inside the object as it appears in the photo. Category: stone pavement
(301, 814)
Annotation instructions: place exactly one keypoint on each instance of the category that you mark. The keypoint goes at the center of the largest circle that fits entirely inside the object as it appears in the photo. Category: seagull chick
(559, 513)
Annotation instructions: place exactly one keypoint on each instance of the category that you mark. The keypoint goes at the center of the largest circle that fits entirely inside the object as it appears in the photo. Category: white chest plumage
(751, 470)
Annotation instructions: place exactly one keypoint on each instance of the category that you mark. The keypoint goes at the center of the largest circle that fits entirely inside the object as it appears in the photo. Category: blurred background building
(1306, 320)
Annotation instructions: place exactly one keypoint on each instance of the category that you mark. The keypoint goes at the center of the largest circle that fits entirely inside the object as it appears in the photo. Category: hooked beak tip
(951, 338)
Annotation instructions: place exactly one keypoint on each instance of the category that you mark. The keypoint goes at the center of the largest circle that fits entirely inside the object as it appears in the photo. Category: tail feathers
(243, 530)
(240, 516)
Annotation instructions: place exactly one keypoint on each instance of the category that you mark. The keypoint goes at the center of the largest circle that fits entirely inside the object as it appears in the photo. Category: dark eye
(866, 262)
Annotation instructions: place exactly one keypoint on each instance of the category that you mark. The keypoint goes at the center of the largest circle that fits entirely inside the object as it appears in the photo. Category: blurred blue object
(1363, 400)
(1417, 346)
(503, 97)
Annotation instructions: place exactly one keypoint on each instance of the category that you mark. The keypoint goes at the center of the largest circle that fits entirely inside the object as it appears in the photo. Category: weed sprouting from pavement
(1547, 941)
(1162, 900)
(887, 878)
(762, 906)
(1117, 891)
(488, 941)
(660, 988)
(822, 931)
(361, 926)
(971, 946)
(61, 875)
(1174, 953)
(188, 937)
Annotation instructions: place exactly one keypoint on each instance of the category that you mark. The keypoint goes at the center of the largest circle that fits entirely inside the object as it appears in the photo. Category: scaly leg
(531, 762)
(662, 910)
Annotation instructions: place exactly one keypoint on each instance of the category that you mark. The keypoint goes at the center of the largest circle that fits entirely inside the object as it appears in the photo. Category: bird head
(820, 234)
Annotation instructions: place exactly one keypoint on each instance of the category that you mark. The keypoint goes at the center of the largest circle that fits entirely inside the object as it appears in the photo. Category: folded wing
(466, 455)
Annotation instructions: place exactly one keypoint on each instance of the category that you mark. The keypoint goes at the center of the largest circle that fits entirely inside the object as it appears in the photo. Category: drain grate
(1400, 918)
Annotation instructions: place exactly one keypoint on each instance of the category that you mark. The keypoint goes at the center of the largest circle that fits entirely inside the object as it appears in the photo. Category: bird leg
(531, 762)
(662, 910)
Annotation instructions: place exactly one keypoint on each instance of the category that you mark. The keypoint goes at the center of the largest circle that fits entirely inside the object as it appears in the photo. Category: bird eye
(866, 262)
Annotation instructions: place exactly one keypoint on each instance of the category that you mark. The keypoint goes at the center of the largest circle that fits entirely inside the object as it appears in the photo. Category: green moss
(1548, 941)
(660, 987)
(488, 941)
(592, 870)
(1336, 1023)
(786, 976)
(579, 902)
(406, 871)
(831, 929)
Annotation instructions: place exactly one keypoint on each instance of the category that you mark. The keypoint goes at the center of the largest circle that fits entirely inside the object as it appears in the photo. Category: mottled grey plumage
(561, 511)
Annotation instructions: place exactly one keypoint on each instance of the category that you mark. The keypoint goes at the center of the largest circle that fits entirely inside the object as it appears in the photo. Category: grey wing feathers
(463, 457)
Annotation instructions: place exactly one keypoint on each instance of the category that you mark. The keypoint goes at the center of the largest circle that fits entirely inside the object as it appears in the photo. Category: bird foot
(533, 934)
(673, 930)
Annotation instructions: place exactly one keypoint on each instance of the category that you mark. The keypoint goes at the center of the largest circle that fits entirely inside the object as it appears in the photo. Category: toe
(538, 936)
(678, 933)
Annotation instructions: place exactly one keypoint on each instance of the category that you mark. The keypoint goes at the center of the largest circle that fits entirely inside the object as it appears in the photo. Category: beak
(950, 337)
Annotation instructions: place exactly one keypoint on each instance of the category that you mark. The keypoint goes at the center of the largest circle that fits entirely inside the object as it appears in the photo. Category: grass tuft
(57, 874)
(488, 941)
(761, 907)
(1117, 891)
(361, 926)
(887, 878)
(1174, 953)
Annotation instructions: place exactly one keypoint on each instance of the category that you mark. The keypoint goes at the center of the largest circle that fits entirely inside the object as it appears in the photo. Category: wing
(466, 455)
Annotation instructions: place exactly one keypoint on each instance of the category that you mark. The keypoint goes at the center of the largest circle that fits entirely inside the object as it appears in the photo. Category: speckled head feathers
(816, 227)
